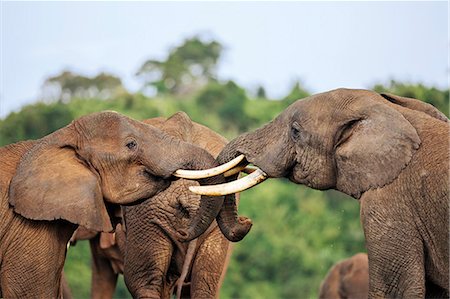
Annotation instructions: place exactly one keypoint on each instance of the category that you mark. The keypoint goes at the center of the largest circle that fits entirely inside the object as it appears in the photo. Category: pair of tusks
(255, 177)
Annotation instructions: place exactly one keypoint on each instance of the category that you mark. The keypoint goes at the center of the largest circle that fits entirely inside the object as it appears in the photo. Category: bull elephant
(75, 176)
(389, 152)
(347, 279)
(156, 264)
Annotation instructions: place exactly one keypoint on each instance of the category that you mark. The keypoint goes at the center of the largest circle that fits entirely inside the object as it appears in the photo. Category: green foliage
(77, 270)
(187, 67)
(298, 233)
(67, 85)
(432, 95)
(297, 92)
(228, 101)
(33, 122)
(261, 93)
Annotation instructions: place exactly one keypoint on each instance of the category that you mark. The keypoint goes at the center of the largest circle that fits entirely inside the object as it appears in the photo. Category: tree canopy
(67, 85)
(186, 68)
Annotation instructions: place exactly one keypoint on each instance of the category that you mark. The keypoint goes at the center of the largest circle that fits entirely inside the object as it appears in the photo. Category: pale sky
(324, 44)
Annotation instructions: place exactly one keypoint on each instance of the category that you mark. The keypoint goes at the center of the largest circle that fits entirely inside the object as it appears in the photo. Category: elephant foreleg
(210, 265)
(104, 278)
(395, 252)
(65, 289)
(147, 264)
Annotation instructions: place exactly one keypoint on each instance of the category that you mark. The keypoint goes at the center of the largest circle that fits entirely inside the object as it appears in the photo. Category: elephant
(389, 152)
(194, 269)
(347, 279)
(147, 250)
(77, 176)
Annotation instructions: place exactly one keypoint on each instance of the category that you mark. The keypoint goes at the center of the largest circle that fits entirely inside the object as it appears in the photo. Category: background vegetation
(298, 233)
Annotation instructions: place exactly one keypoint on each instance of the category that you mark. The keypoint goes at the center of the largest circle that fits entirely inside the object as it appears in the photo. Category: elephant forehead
(107, 125)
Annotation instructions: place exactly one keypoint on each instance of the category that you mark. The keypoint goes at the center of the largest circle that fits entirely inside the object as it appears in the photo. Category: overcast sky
(324, 44)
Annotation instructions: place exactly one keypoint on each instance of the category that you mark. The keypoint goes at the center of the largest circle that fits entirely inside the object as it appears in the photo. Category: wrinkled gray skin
(154, 256)
(347, 279)
(391, 153)
(73, 176)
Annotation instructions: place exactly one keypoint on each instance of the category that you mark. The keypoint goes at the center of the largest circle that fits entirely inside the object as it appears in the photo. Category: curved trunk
(253, 146)
(233, 226)
(196, 158)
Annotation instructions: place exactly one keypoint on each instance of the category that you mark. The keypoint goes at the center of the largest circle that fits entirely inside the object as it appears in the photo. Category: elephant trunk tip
(238, 231)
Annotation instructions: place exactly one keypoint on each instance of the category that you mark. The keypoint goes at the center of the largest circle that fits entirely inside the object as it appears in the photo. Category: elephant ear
(373, 149)
(179, 125)
(51, 182)
(417, 105)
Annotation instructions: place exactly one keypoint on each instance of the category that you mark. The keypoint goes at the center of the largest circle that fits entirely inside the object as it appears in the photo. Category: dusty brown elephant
(73, 177)
(157, 264)
(389, 152)
(347, 279)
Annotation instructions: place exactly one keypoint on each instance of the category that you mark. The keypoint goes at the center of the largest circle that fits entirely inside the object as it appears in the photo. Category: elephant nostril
(245, 221)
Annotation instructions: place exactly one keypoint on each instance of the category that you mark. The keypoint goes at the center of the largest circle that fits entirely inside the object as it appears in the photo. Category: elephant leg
(210, 265)
(395, 251)
(147, 259)
(66, 293)
(32, 264)
(104, 278)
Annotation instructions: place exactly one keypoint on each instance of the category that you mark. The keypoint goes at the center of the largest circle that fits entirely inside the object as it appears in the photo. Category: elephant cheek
(319, 177)
(299, 175)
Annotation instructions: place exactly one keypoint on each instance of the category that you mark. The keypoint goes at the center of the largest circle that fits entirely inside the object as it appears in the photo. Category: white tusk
(242, 184)
(242, 168)
(206, 173)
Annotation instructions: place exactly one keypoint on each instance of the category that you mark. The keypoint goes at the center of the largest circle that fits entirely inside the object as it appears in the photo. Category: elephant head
(347, 279)
(102, 157)
(348, 140)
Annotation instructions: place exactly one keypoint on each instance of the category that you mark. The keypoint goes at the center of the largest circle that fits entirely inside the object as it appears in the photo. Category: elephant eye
(131, 144)
(295, 131)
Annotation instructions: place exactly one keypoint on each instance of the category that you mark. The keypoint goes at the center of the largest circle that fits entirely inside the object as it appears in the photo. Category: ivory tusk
(242, 168)
(206, 173)
(242, 184)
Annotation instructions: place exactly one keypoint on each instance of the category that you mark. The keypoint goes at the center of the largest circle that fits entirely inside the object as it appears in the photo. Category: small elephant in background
(72, 177)
(147, 249)
(347, 279)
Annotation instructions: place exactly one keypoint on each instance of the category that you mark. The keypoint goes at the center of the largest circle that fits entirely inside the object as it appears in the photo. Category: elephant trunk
(209, 205)
(257, 146)
(233, 226)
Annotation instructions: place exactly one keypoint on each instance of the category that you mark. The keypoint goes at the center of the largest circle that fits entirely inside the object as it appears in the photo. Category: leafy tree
(228, 100)
(297, 92)
(33, 122)
(261, 92)
(67, 85)
(186, 68)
